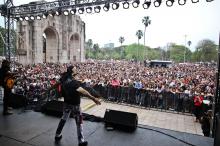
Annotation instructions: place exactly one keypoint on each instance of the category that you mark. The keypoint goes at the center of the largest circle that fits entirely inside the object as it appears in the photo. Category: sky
(196, 21)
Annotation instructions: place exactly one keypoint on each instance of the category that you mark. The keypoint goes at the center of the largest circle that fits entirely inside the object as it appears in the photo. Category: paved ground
(36, 129)
(156, 118)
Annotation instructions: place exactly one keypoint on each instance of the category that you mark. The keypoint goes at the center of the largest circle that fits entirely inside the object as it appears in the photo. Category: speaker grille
(121, 120)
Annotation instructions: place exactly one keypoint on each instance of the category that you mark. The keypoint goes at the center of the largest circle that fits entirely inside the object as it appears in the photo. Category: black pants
(198, 112)
(7, 94)
(76, 111)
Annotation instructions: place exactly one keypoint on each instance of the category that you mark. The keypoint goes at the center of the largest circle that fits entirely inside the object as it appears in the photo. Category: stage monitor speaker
(53, 107)
(217, 134)
(121, 120)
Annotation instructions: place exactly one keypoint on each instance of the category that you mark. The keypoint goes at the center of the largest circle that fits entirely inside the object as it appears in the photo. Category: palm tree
(121, 40)
(139, 34)
(189, 43)
(146, 21)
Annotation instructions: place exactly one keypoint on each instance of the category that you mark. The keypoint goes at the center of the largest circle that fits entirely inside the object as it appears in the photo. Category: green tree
(189, 43)
(139, 35)
(89, 45)
(121, 41)
(206, 51)
(146, 21)
(177, 53)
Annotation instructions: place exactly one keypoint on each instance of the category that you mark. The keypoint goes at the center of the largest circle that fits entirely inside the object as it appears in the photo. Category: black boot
(58, 138)
(85, 143)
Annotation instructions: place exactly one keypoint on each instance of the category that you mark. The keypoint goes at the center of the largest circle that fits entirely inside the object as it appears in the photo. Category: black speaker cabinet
(217, 135)
(121, 120)
(53, 107)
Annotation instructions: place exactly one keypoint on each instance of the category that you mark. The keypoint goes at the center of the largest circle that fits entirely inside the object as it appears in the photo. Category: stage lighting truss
(58, 12)
(97, 9)
(16, 19)
(157, 3)
(181, 2)
(115, 6)
(38, 17)
(146, 4)
(32, 17)
(89, 10)
(126, 5)
(45, 15)
(73, 11)
(169, 3)
(106, 7)
(43, 9)
(52, 13)
(81, 10)
(21, 18)
(195, 1)
(66, 12)
(135, 3)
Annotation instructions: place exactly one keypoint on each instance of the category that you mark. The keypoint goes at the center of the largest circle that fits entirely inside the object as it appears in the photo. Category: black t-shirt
(71, 96)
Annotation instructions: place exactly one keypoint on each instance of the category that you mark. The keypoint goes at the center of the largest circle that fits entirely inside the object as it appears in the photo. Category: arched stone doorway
(74, 53)
(50, 45)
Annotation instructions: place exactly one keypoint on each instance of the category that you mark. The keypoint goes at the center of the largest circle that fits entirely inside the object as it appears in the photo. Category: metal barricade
(164, 101)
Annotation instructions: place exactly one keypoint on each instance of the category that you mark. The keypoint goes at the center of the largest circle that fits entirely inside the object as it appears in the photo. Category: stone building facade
(56, 39)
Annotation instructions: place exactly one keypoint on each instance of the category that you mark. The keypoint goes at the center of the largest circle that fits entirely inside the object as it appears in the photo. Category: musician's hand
(97, 101)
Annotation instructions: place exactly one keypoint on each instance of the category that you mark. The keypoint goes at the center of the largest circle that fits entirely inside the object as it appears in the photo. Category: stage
(31, 128)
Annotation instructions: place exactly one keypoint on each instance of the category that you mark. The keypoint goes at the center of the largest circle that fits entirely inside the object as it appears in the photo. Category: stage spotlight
(81, 10)
(126, 5)
(195, 1)
(169, 3)
(66, 12)
(32, 17)
(16, 19)
(26, 18)
(157, 3)
(135, 3)
(146, 4)
(21, 18)
(97, 9)
(89, 9)
(45, 15)
(181, 2)
(106, 7)
(38, 17)
(115, 6)
(52, 13)
(58, 12)
(73, 11)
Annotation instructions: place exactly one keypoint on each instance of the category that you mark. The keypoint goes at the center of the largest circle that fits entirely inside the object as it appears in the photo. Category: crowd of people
(116, 77)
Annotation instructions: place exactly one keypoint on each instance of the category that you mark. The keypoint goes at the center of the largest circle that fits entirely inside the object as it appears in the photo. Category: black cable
(93, 118)
(166, 135)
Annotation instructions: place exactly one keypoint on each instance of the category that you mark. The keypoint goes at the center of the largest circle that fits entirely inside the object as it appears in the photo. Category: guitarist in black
(71, 91)
(4, 78)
